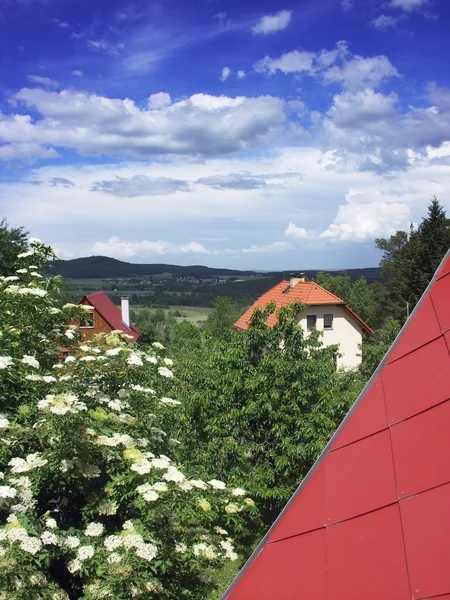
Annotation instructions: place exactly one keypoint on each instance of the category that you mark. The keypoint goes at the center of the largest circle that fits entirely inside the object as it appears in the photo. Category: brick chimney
(297, 278)
(125, 305)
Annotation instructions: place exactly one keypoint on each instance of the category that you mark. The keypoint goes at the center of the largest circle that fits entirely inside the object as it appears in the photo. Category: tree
(263, 406)
(374, 347)
(410, 260)
(93, 503)
(222, 318)
(339, 285)
(12, 242)
(357, 295)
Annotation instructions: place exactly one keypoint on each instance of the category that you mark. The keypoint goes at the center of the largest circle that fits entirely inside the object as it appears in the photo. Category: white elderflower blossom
(113, 558)
(22, 271)
(49, 538)
(168, 362)
(53, 310)
(74, 566)
(32, 545)
(51, 523)
(139, 388)
(4, 423)
(6, 491)
(134, 359)
(151, 359)
(114, 351)
(27, 291)
(231, 508)
(170, 401)
(147, 491)
(173, 474)
(70, 334)
(48, 378)
(216, 484)
(198, 483)
(158, 346)
(85, 552)
(5, 362)
(31, 361)
(72, 542)
(143, 467)
(185, 486)
(35, 274)
(94, 530)
(88, 358)
(35, 241)
(238, 492)
(161, 462)
(112, 542)
(160, 486)
(180, 548)
(220, 531)
(202, 549)
(33, 461)
(147, 551)
(25, 254)
(33, 377)
(70, 359)
(107, 507)
(11, 278)
(85, 348)
(165, 372)
(60, 404)
(133, 540)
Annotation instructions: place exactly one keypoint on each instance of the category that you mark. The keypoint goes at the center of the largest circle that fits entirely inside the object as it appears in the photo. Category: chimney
(125, 304)
(297, 278)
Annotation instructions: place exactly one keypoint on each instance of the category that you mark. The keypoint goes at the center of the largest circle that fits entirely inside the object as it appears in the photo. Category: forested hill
(103, 267)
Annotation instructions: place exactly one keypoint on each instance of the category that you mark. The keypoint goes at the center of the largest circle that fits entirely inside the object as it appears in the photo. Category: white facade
(345, 332)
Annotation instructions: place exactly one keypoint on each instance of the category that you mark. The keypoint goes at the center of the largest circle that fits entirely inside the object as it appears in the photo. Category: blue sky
(250, 135)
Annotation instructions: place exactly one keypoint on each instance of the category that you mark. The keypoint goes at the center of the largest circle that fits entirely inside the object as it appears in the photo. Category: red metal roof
(109, 311)
(371, 521)
(307, 292)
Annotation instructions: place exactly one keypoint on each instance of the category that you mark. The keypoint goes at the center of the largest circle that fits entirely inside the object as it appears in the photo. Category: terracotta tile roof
(371, 518)
(109, 311)
(308, 292)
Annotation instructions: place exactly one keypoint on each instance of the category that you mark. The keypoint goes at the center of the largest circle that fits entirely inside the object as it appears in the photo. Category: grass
(223, 580)
(191, 314)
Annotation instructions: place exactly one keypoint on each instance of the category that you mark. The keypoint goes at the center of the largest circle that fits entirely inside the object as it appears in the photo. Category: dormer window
(311, 321)
(328, 321)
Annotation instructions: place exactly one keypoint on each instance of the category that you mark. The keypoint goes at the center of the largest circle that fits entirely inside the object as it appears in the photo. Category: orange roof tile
(307, 292)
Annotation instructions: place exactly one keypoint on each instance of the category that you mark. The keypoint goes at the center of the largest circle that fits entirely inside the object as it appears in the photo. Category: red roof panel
(109, 311)
(377, 546)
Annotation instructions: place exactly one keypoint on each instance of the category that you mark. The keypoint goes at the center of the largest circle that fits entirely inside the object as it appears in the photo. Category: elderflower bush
(92, 502)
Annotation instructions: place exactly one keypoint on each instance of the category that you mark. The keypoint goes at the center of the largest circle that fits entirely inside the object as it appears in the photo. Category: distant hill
(103, 267)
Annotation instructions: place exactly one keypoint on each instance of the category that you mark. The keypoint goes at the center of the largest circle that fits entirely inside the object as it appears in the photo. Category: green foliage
(92, 501)
(259, 409)
(222, 318)
(12, 242)
(375, 346)
(358, 295)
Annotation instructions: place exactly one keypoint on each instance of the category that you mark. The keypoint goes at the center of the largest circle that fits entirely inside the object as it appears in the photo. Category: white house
(325, 312)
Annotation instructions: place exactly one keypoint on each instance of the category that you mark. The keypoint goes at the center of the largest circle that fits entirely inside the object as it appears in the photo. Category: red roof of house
(109, 311)
(307, 292)
(371, 520)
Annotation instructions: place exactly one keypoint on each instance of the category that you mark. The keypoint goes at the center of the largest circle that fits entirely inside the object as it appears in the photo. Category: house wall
(346, 333)
(100, 326)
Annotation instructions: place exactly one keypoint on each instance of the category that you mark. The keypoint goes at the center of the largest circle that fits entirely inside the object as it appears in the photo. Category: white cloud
(296, 232)
(241, 74)
(159, 100)
(44, 81)
(226, 72)
(332, 66)
(62, 24)
(140, 185)
(118, 248)
(292, 62)
(383, 22)
(272, 23)
(269, 248)
(77, 73)
(233, 181)
(26, 152)
(409, 5)
(201, 125)
(362, 222)
(346, 5)
(105, 46)
(361, 72)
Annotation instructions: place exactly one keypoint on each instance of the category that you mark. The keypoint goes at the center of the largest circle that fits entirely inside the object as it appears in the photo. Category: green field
(189, 313)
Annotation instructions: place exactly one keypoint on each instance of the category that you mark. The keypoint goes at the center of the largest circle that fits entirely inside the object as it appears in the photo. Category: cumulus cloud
(269, 248)
(44, 81)
(77, 73)
(332, 66)
(366, 221)
(273, 23)
(346, 5)
(28, 152)
(140, 185)
(383, 22)
(409, 5)
(202, 125)
(62, 24)
(61, 181)
(299, 233)
(226, 72)
(105, 46)
(241, 74)
(159, 100)
(233, 181)
(118, 248)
